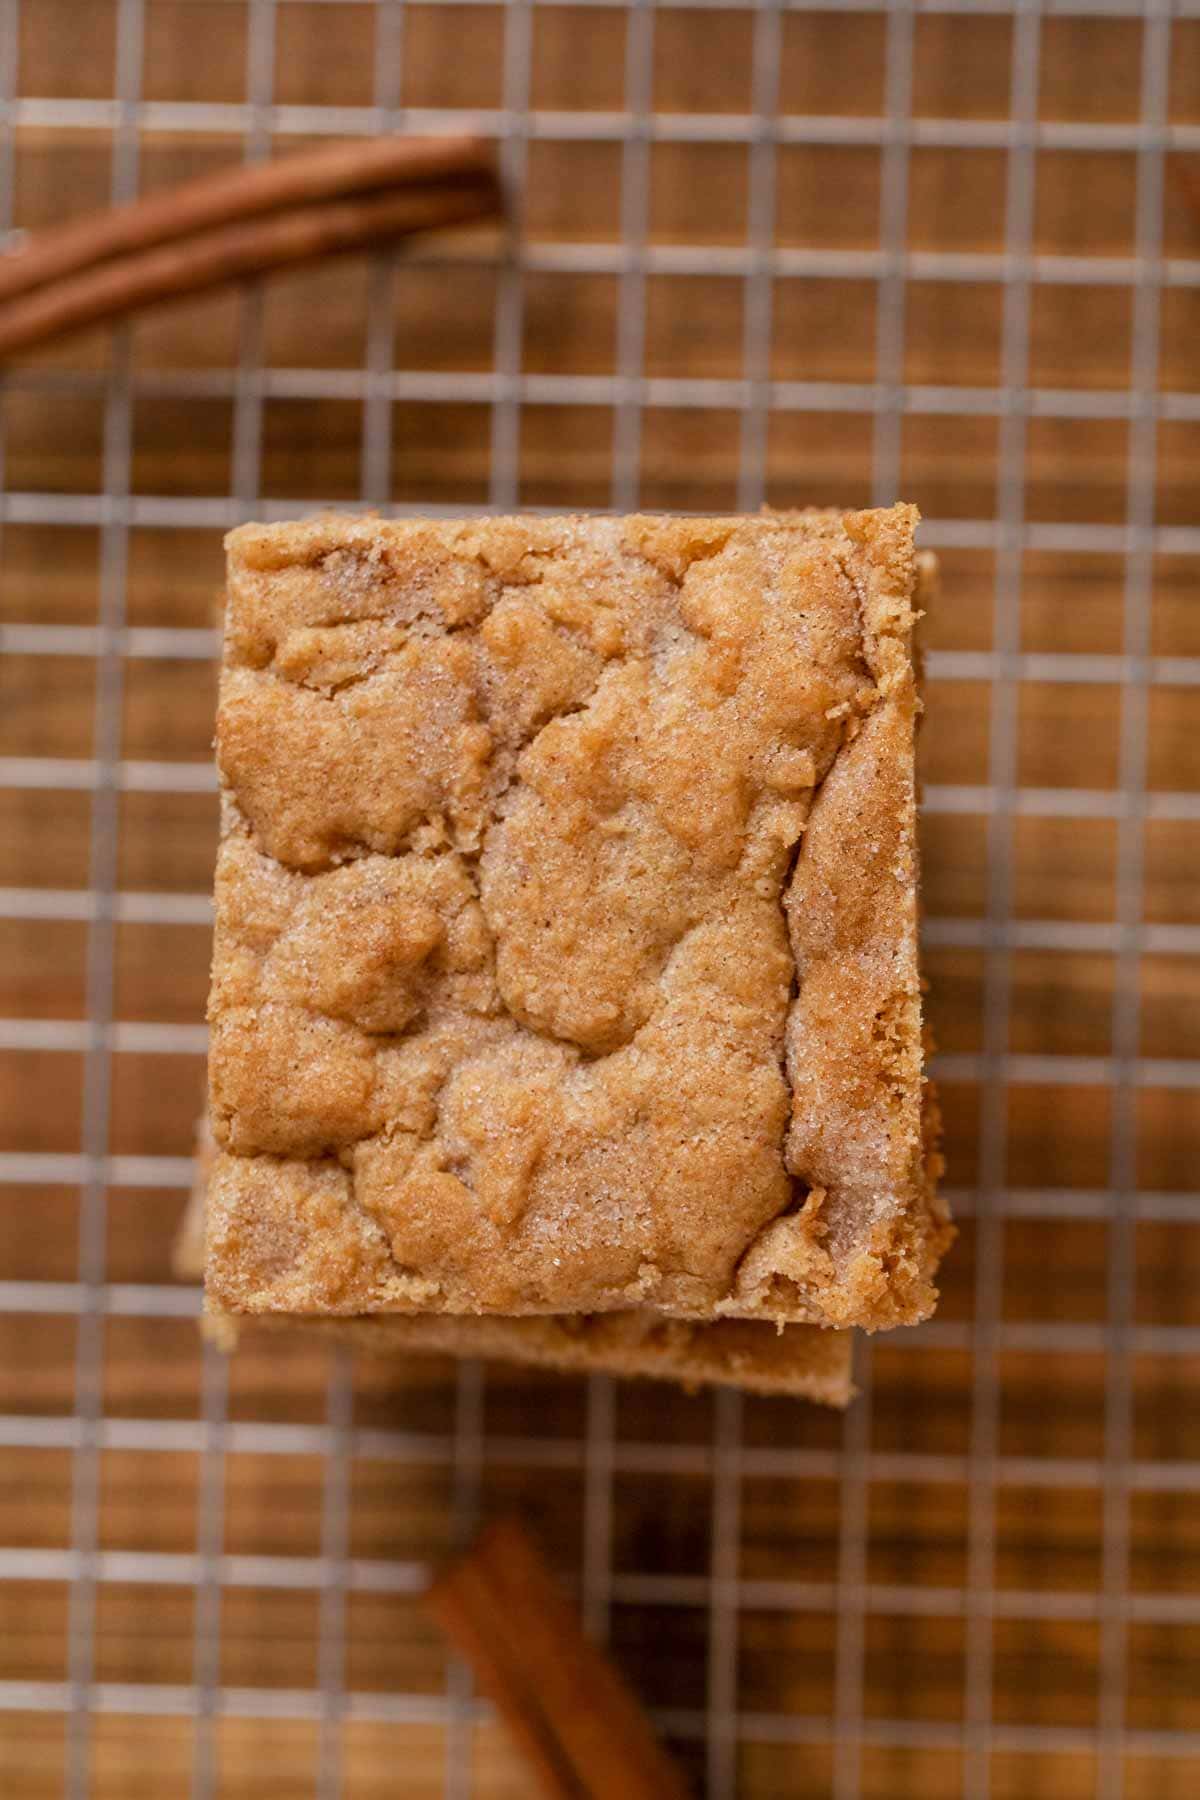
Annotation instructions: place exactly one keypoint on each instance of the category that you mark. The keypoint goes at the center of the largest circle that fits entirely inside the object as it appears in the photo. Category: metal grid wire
(718, 1723)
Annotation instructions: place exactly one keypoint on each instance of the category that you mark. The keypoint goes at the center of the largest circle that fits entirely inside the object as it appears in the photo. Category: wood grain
(401, 1488)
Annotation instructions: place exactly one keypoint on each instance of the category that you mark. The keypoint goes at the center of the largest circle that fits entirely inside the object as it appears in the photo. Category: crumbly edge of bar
(887, 1279)
(888, 1254)
(806, 1362)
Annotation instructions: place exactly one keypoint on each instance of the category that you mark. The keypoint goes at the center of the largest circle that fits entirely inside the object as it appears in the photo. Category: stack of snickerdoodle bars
(565, 1000)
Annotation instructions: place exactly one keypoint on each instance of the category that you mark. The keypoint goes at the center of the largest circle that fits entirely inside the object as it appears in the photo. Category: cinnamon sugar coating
(566, 922)
(802, 1361)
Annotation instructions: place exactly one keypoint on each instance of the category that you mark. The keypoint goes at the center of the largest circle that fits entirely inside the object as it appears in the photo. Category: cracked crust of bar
(864, 1139)
(389, 1036)
(803, 1361)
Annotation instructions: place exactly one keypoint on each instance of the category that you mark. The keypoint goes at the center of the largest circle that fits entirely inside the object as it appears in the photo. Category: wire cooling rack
(760, 252)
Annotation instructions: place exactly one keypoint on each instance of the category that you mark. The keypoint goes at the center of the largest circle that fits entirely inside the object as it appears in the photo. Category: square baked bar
(566, 952)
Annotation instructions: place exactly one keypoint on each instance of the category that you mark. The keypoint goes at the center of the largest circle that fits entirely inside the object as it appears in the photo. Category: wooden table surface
(1033, 1382)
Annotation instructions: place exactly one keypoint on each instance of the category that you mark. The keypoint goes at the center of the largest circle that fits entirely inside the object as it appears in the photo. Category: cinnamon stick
(571, 1712)
(234, 252)
(332, 172)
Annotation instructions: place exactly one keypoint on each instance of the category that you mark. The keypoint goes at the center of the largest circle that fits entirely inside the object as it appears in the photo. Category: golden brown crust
(854, 1041)
(502, 1004)
(802, 1361)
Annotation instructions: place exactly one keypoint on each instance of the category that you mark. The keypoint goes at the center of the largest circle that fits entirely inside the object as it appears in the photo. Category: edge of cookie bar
(803, 1361)
(862, 1245)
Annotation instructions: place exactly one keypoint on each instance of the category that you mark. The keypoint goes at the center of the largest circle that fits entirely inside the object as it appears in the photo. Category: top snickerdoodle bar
(566, 921)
